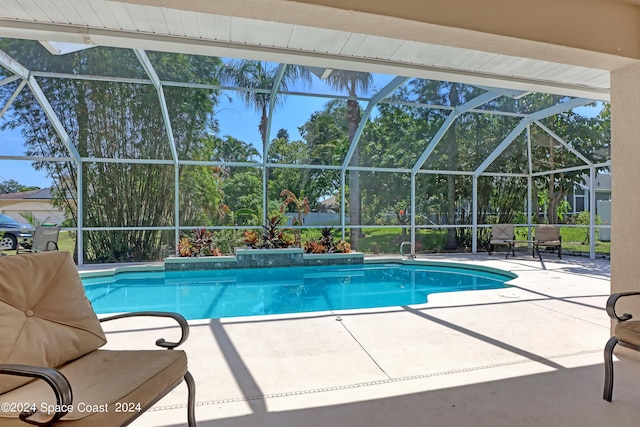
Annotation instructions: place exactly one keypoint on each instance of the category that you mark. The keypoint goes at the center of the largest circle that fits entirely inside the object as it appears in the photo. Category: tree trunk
(552, 209)
(353, 119)
(452, 164)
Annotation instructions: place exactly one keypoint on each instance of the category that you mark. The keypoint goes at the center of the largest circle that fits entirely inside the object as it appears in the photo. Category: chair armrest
(611, 305)
(55, 379)
(184, 326)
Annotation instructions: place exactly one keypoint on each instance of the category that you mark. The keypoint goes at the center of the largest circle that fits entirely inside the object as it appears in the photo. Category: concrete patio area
(526, 355)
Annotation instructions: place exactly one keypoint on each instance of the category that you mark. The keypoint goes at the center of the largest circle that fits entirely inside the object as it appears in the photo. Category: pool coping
(390, 367)
(129, 268)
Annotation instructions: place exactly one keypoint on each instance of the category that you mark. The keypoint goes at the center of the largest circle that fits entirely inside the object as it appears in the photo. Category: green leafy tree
(261, 75)
(589, 136)
(453, 95)
(353, 83)
(13, 186)
(393, 139)
(241, 186)
(116, 120)
(325, 134)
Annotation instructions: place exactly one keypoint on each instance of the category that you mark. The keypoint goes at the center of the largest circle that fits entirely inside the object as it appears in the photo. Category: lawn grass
(67, 241)
(576, 240)
(388, 240)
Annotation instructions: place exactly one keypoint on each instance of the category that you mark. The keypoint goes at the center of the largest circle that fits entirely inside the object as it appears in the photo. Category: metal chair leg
(608, 368)
(191, 402)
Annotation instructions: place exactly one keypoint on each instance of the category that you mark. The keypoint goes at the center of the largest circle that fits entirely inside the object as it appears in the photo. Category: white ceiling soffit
(101, 22)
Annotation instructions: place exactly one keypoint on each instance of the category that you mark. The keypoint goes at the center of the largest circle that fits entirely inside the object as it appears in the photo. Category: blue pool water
(210, 294)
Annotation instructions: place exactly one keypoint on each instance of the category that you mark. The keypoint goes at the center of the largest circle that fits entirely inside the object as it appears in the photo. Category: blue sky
(234, 119)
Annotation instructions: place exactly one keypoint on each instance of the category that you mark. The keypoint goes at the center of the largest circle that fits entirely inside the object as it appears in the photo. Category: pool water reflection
(206, 294)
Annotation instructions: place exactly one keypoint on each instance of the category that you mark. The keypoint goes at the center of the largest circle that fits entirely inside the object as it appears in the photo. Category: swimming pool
(210, 294)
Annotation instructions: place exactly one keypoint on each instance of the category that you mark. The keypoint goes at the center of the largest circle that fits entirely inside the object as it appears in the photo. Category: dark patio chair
(626, 333)
(50, 356)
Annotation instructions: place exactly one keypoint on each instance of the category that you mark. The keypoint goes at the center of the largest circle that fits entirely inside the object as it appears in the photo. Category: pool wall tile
(333, 259)
(256, 258)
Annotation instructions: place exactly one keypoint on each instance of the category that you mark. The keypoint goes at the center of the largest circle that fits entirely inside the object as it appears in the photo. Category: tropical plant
(34, 220)
(301, 207)
(185, 247)
(343, 247)
(313, 247)
(272, 236)
(584, 218)
(201, 242)
(563, 210)
(326, 243)
(251, 239)
(326, 237)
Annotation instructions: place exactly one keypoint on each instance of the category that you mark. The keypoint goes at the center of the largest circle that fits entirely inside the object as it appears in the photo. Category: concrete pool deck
(526, 355)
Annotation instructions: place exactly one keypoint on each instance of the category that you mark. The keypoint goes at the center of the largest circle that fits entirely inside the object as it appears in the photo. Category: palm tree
(352, 82)
(261, 75)
(230, 149)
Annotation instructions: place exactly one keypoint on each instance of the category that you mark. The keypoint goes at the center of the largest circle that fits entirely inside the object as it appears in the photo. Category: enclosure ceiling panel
(317, 40)
(194, 28)
(378, 47)
(410, 51)
(352, 45)
(220, 29)
(172, 20)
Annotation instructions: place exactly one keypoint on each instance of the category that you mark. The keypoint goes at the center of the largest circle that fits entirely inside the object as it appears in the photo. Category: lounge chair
(548, 236)
(626, 333)
(502, 234)
(45, 238)
(52, 371)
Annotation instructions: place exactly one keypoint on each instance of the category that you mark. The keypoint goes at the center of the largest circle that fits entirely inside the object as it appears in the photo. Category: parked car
(15, 233)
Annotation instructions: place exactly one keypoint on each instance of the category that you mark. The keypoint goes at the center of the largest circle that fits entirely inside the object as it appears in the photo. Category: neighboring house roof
(42, 194)
(329, 205)
(603, 182)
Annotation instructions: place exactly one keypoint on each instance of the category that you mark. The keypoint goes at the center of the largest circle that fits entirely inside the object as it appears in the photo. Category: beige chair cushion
(500, 233)
(45, 317)
(550, 234)
(628, 331)
(107, 377)
(549, 243)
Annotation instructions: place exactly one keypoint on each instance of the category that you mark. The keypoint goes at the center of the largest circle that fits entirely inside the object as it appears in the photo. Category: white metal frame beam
(379, 96)
(265, 146)
(151, 72)
(538, 115)
(375, 100)
(13, 97)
